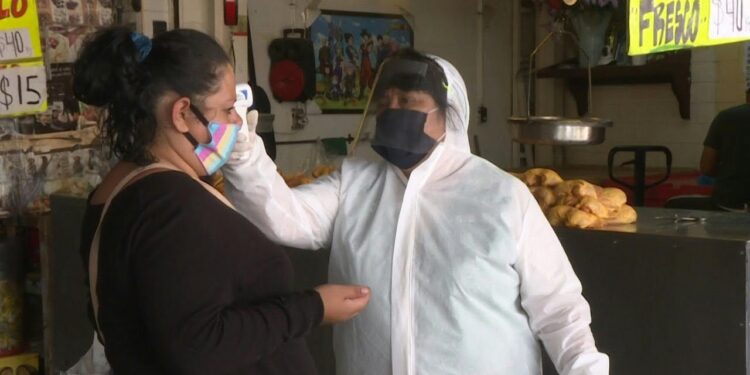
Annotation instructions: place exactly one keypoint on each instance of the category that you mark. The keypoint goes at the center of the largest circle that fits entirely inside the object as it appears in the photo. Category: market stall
(668, 289)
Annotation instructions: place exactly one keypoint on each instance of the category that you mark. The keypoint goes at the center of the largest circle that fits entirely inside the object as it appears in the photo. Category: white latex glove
(246, 135)
(246, 138)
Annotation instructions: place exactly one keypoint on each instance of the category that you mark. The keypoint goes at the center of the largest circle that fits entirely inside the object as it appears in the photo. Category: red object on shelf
(685, 183)
(230, 12)
(292, 75)
(287, 80)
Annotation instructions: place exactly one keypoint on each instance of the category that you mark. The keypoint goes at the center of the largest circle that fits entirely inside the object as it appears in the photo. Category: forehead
(226, 95)
(418, 95)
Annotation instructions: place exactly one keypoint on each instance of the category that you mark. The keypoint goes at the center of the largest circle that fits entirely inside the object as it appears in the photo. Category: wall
(494, 136)
(197, 14)
(447, 28)
(648, 114)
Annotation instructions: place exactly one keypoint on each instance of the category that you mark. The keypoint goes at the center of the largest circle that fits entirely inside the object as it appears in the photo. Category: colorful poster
(23, 89)
(65, 42)
(349, 48)
(19, 31)
(664, 25)
(98, 12)
(76, 12)
(64, 110)
(67, 11)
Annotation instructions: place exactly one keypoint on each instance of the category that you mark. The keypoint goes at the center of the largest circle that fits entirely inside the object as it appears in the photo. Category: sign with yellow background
(19, 31)
(665, 25)
(23, 82)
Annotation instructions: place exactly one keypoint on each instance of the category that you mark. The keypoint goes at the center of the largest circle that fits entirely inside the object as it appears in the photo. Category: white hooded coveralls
(465, 271)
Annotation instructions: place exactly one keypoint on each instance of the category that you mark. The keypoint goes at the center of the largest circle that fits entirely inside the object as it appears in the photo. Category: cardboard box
(22, 364)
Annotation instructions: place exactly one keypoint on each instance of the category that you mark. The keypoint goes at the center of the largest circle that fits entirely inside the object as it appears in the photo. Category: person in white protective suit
(465, 271)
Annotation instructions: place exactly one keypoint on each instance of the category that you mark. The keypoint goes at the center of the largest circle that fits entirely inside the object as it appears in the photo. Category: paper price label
(730, 19)
(15, 44)
(23, 90)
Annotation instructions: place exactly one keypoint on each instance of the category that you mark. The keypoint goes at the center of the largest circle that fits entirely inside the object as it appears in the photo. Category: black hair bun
(107, 71)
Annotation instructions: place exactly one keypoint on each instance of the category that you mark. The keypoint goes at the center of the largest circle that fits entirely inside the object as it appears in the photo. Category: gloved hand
(245, 139)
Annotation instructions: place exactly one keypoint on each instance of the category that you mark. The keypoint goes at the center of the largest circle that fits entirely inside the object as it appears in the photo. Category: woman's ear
(181, 114)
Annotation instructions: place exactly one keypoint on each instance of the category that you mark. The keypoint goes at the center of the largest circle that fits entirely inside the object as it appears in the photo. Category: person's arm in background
(711, 146)
(551, 295)
(709, 161)
(301, 217)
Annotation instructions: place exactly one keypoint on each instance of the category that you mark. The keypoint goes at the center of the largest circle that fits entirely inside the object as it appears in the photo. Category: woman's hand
(245, 139)
(342, 302)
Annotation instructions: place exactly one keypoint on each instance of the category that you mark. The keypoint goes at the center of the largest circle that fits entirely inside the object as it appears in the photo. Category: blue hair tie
(142, 45)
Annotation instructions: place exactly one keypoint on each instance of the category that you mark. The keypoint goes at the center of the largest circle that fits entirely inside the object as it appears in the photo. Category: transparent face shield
(392, 124)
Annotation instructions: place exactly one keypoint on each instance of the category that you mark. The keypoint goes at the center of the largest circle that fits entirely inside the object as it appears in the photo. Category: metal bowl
(553, 130)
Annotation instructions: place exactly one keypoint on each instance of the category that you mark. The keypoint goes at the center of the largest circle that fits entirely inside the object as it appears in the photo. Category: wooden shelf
(672, 68)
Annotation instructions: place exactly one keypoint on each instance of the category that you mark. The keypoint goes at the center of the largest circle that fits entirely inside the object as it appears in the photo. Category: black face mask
(400, 138)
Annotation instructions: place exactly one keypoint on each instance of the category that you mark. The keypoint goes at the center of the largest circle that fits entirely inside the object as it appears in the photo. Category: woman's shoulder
(167, 180)
(171, 201)
(160, 188)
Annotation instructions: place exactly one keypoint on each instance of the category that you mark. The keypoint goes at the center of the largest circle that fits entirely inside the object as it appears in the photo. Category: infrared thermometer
(244, 101)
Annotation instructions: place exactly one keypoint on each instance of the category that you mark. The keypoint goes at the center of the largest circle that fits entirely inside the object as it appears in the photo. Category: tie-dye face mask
(214, 154)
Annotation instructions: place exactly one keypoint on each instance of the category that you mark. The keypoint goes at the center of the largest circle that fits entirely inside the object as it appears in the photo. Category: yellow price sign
(19, 31)
(664, 25)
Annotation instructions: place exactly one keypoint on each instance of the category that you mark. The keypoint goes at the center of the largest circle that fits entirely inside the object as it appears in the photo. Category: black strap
(202, 119)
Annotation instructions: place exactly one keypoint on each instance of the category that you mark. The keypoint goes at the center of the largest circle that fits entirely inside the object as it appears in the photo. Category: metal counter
(667, 297)
(661, 221)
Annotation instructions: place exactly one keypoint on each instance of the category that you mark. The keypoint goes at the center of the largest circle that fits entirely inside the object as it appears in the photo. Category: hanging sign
(23, 89)
(19, 31)
(665, 25)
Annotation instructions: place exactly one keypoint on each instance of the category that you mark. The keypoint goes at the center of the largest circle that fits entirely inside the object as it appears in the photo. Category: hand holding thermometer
(244, 101)
(247, 130)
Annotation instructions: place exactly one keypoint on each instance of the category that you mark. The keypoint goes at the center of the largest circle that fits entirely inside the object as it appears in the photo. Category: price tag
(730, 19)
(19, 31)
(15, 44)
(23, 90)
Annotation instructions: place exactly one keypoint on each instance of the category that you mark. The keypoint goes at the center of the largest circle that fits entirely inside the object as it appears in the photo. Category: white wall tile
(703, 72)
(703, 55)
(703, 92)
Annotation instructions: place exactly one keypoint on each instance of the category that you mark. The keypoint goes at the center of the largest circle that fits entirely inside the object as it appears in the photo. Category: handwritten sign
(664, 25)
(15, 44)
(730, 19)
(23, 89)
(19, 31)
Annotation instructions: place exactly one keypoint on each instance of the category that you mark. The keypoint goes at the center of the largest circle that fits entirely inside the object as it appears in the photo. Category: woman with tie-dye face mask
(180, 282)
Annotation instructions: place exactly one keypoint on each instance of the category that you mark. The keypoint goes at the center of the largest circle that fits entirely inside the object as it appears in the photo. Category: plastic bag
(92, 363)
(317, 164)
(317, 158)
